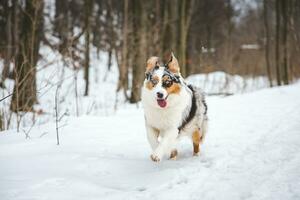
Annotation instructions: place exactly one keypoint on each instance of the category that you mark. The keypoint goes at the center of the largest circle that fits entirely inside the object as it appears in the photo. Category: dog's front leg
(166, 144)
(152, 136)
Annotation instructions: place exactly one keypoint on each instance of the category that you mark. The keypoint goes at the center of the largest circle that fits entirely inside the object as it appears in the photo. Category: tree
(88, 5)
(139, 46)
(123, 69)
(267, 44)
(24, 93)
(278, 25)
(10, 35)
(62, 24)
(185, 10)
(285, 24)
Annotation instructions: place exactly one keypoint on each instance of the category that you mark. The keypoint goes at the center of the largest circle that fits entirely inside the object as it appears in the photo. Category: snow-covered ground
(252, 151)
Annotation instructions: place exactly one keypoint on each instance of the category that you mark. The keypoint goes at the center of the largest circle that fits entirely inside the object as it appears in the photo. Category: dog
(172, 109)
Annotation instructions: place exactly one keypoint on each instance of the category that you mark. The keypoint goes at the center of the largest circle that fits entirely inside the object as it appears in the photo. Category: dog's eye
(167, 83)
(154, 82)
(148, 75)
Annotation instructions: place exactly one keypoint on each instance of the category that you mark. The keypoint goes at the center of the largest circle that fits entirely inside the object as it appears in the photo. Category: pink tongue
(162, 103)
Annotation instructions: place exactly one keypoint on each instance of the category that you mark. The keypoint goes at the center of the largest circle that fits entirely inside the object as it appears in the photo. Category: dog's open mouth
(162, 102)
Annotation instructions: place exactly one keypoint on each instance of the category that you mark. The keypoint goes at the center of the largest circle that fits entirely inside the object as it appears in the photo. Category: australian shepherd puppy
(172, 109)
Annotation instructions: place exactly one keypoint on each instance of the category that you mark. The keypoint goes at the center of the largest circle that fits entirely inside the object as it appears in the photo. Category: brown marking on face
(197, 138)
(174, 88)
(173, 155)
(152, 62)
(149, 83)
(173, 65)
(166, 78)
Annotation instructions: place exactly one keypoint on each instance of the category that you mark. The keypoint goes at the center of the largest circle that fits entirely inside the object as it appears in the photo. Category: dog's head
(162, 80)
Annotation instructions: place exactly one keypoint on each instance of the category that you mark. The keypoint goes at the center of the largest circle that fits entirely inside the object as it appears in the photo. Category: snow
(223, 83)
(252, 151)
(250, 46)
(51, 72)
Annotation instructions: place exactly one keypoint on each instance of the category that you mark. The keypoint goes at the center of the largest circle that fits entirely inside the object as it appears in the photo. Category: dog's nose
(159, 94)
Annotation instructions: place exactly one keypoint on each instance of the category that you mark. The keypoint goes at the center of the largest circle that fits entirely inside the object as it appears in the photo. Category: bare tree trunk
(284, 5)
(229, 36)
(8, 55)
(186, 10)
(16, 27)
(140, 44)
(156, 37)
(112, 39)
(24, 94)
(88, 10)
(61, 25)
(278, 74)
(12, 34)
(183, 37)
(122, 83)
(109, 61)
(170, 29)
(267, 45)
(294, 29)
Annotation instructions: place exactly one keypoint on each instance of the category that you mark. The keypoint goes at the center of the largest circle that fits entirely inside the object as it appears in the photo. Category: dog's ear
(152, 62)
(173, 65)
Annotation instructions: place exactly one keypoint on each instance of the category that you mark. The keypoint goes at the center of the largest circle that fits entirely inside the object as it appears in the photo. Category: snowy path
(252, 151)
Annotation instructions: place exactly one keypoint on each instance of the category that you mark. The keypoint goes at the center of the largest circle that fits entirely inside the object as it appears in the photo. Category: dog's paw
(173, 155)
(196, 154)
(155, 158)
(173, 158)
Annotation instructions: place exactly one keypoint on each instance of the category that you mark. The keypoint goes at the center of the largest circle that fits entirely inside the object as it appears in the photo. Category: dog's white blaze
(158, 87)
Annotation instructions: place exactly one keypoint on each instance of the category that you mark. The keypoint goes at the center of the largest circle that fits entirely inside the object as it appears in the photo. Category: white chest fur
(169, 117)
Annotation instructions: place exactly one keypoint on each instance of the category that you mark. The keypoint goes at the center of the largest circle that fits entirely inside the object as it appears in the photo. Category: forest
(246, 38)
(84, 115)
